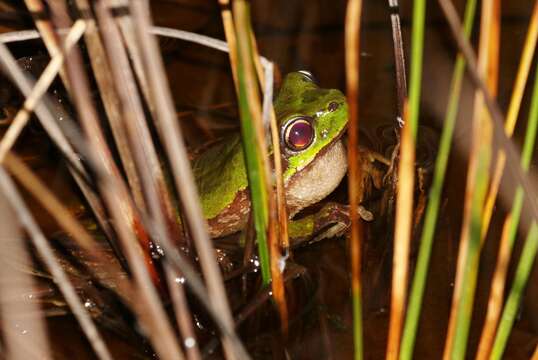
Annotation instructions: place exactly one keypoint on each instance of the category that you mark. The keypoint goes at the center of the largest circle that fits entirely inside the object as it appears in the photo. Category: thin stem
(406, 183)
(28, 336)
(511, 225)
(352, 42)
(60, 277)
(253, 135)
(184, 181)
(494, 111)
(528, 254)
(469, 253)
(432, 210)
(40, 88)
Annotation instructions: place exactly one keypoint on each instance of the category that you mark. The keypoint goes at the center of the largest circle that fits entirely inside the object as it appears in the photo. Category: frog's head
(310, 119)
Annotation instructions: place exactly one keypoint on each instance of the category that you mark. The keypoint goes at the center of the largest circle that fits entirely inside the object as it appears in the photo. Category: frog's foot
(331, 221)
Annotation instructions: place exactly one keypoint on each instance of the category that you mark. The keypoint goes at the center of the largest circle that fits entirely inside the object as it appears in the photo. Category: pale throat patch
(317, 180)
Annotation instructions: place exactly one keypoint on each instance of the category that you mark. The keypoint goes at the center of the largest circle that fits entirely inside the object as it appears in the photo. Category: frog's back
(220, 175)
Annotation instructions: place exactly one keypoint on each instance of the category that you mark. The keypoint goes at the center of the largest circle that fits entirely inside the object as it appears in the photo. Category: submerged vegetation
(129, 260)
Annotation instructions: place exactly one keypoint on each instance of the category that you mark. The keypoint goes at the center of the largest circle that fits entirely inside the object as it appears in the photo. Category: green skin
(220, 171)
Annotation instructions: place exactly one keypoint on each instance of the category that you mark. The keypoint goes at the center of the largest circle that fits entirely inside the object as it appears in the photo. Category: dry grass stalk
(184, 181)
(40, 88)
(126, 219)
(507, 145)
(499, 277)
(23, 326)
(512, 115)
(69, 224)
(126, 25)
(352, 45)
(402, 237)
(137, 131)
(89, 119)
(183, 315)
(107, 91)
(44, 111)
(50, 38)
(495, 302)
(157, 195)
(481, 138)
(229, 34)
(46, 253)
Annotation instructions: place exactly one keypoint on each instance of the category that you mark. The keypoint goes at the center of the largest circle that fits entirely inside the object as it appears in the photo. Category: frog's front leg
(330, 221)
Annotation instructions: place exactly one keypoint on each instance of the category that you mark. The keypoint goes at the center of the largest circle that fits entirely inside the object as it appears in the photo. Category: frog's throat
(318, 179)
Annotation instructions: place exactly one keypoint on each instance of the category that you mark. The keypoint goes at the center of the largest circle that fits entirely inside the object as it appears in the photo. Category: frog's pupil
(299, 135)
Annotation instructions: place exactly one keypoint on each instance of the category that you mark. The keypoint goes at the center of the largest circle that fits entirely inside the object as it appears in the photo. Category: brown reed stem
(183, 315)
(184, 181)
(46, 253)
(40, 88)
(402, 236)
(69, 224)
(487, 68)
(44, 111)
(352, 44)
(28, 338)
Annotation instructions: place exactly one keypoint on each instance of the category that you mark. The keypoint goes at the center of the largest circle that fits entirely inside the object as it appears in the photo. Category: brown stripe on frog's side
(233, 218)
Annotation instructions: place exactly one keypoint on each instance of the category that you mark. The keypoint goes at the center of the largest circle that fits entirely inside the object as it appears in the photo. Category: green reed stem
(251, 142)
(432, 210)
(510, 311)
(526, 157)
(529, 250)
(417, 49)
(470, 274)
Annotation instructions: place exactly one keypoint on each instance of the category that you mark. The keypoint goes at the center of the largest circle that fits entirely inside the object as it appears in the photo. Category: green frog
(311, 121)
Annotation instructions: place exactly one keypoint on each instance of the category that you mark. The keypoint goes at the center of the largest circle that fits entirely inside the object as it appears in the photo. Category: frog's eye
(299, 134)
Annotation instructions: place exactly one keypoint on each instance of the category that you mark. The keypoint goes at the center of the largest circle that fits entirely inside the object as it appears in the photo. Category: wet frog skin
(311, 121)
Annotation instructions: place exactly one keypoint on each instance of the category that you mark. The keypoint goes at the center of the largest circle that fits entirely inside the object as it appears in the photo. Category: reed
(122, 178)
(352, 38)
(432, 209)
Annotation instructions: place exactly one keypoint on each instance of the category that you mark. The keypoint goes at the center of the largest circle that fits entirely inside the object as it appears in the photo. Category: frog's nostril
(333, 106)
